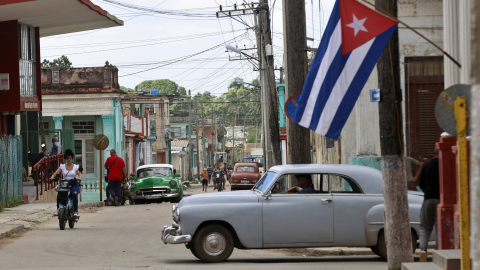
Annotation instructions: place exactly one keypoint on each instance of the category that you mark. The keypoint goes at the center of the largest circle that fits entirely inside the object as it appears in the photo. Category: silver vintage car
(346, 209)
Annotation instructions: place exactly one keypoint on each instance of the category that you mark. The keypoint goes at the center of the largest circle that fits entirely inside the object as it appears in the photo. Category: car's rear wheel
(381, 246)
(213, 243)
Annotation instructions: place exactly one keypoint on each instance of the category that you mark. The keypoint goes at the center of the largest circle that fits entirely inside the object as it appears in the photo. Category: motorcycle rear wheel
(61, 218)
(71, 222)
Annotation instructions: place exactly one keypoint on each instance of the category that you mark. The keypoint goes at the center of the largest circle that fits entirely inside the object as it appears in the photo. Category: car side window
(341, 184)
(280, 186)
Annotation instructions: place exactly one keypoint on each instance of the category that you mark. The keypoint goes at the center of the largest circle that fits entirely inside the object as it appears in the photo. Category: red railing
(42, 174)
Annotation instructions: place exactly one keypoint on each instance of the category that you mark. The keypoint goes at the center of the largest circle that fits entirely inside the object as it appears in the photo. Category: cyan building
(86, 100)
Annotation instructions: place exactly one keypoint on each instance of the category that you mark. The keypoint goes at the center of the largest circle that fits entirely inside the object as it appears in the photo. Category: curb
(15, 229)
(83, 205)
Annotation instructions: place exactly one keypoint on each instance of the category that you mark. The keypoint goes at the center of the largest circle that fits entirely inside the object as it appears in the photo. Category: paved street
(130, 237)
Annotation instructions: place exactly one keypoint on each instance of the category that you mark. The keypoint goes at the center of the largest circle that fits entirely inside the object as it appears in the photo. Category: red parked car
(245, 175)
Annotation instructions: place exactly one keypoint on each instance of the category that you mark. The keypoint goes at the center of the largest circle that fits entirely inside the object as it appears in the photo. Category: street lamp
(249, 57)
(242, 82)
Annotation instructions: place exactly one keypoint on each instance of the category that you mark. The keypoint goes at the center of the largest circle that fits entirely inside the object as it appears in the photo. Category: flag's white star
(357, 25)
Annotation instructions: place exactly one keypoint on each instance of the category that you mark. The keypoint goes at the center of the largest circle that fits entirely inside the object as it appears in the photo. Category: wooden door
(424, 82)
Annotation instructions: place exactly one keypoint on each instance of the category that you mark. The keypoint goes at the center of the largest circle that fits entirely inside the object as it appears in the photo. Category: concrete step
(420, 266)
(448, 259)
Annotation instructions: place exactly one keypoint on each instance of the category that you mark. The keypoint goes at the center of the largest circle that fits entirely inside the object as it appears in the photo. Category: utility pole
(475, 142)
(222, 121)
(397, 222)
(244, 139)
(190, 162)
(234, 148)
(295, 58)
(256, 138)
(204, 153)
(281, 78)
(198, 140)
(269, 79)
(213, 135)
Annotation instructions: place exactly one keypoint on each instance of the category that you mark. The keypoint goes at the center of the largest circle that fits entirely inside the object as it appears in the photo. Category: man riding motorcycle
(222, 171)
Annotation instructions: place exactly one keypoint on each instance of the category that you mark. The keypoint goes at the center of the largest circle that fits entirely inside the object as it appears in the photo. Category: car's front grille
(153, 190)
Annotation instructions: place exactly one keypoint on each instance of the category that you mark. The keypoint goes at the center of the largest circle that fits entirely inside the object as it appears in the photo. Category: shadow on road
(287, 260)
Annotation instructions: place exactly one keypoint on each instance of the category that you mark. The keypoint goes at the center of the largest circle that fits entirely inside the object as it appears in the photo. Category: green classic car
(156, 183)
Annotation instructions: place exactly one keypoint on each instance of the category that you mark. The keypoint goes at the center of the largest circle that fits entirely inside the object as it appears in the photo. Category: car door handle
(326, 201)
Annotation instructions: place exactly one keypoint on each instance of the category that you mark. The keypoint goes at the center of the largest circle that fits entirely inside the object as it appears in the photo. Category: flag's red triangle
(360, 24)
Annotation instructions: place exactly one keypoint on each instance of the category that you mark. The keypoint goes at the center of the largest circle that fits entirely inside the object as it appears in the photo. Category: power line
(180, 58)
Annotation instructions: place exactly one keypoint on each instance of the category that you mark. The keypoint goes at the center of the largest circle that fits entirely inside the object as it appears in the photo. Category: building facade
(86, 100)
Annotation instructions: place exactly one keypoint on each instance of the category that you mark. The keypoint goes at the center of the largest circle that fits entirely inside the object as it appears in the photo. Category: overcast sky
(148, 42)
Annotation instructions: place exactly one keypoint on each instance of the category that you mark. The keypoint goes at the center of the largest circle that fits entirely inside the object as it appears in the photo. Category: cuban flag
(354, 39)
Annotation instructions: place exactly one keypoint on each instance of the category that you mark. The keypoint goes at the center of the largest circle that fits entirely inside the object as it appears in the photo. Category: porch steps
(442, 260)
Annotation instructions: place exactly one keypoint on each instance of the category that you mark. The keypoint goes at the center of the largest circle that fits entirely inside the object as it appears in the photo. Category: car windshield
(245, 169)
(148, 172)
(264, 182)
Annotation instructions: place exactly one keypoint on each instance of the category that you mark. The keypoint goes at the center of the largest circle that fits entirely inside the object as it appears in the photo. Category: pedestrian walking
(430, 185)
(204, 180)
(210, 171)
(116, 172)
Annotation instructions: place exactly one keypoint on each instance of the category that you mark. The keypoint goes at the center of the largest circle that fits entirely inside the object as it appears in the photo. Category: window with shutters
(424, 81)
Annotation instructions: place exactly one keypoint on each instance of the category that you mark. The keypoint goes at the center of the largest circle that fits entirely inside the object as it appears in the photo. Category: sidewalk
(29, 189)
(27, 216)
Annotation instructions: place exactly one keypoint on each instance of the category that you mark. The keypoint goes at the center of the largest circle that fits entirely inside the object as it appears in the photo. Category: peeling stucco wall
(91, 77)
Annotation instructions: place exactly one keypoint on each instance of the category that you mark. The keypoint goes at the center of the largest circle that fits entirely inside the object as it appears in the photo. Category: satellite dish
(444, 107)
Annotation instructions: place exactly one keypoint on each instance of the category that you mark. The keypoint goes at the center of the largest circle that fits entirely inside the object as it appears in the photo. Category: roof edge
(101, 11)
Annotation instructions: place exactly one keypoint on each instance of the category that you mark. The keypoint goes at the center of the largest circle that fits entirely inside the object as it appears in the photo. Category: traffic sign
(291, 106)
(182, 154)
(444, 112)
(100, 142)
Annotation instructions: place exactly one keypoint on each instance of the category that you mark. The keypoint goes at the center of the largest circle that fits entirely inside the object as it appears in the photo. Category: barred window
(45, 125)
(28, 78)
(83, 127)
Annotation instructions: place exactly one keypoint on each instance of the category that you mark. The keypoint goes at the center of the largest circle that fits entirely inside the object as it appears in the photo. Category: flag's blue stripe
(337, 67)
(351, 96)
(317, 60)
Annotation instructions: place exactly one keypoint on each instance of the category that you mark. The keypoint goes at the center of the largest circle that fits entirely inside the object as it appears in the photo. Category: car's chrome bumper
(242, 186)
(173, 235)
(156, 196)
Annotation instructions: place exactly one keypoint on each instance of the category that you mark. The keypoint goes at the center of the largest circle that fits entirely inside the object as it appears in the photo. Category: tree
(126, 89)
(61, 62)
(164, 87)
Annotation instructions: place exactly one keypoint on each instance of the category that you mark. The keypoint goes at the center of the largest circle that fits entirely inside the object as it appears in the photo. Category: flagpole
(431, 42)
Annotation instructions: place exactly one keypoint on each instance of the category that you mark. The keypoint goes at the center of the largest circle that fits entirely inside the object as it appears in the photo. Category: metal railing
(10, 168)
(43, 170)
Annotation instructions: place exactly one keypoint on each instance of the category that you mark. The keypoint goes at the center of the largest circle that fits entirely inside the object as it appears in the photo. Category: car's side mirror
(174, 171)
(176, 175)
(267, 196)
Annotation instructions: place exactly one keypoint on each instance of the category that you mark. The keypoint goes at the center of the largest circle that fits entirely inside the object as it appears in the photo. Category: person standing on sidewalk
(116, 173)
(430, 185)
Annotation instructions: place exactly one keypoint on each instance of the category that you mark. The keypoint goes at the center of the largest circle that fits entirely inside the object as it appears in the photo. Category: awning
(56, 17)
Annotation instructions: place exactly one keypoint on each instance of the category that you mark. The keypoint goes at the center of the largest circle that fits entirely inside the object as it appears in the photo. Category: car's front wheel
(194, 252)
(213, 243)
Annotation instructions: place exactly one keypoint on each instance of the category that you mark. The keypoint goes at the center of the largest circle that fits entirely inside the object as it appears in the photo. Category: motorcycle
(122, 200)
(65, 207)
(218, 181)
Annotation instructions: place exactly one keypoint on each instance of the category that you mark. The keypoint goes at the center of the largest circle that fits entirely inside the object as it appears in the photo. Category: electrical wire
(179, 59)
